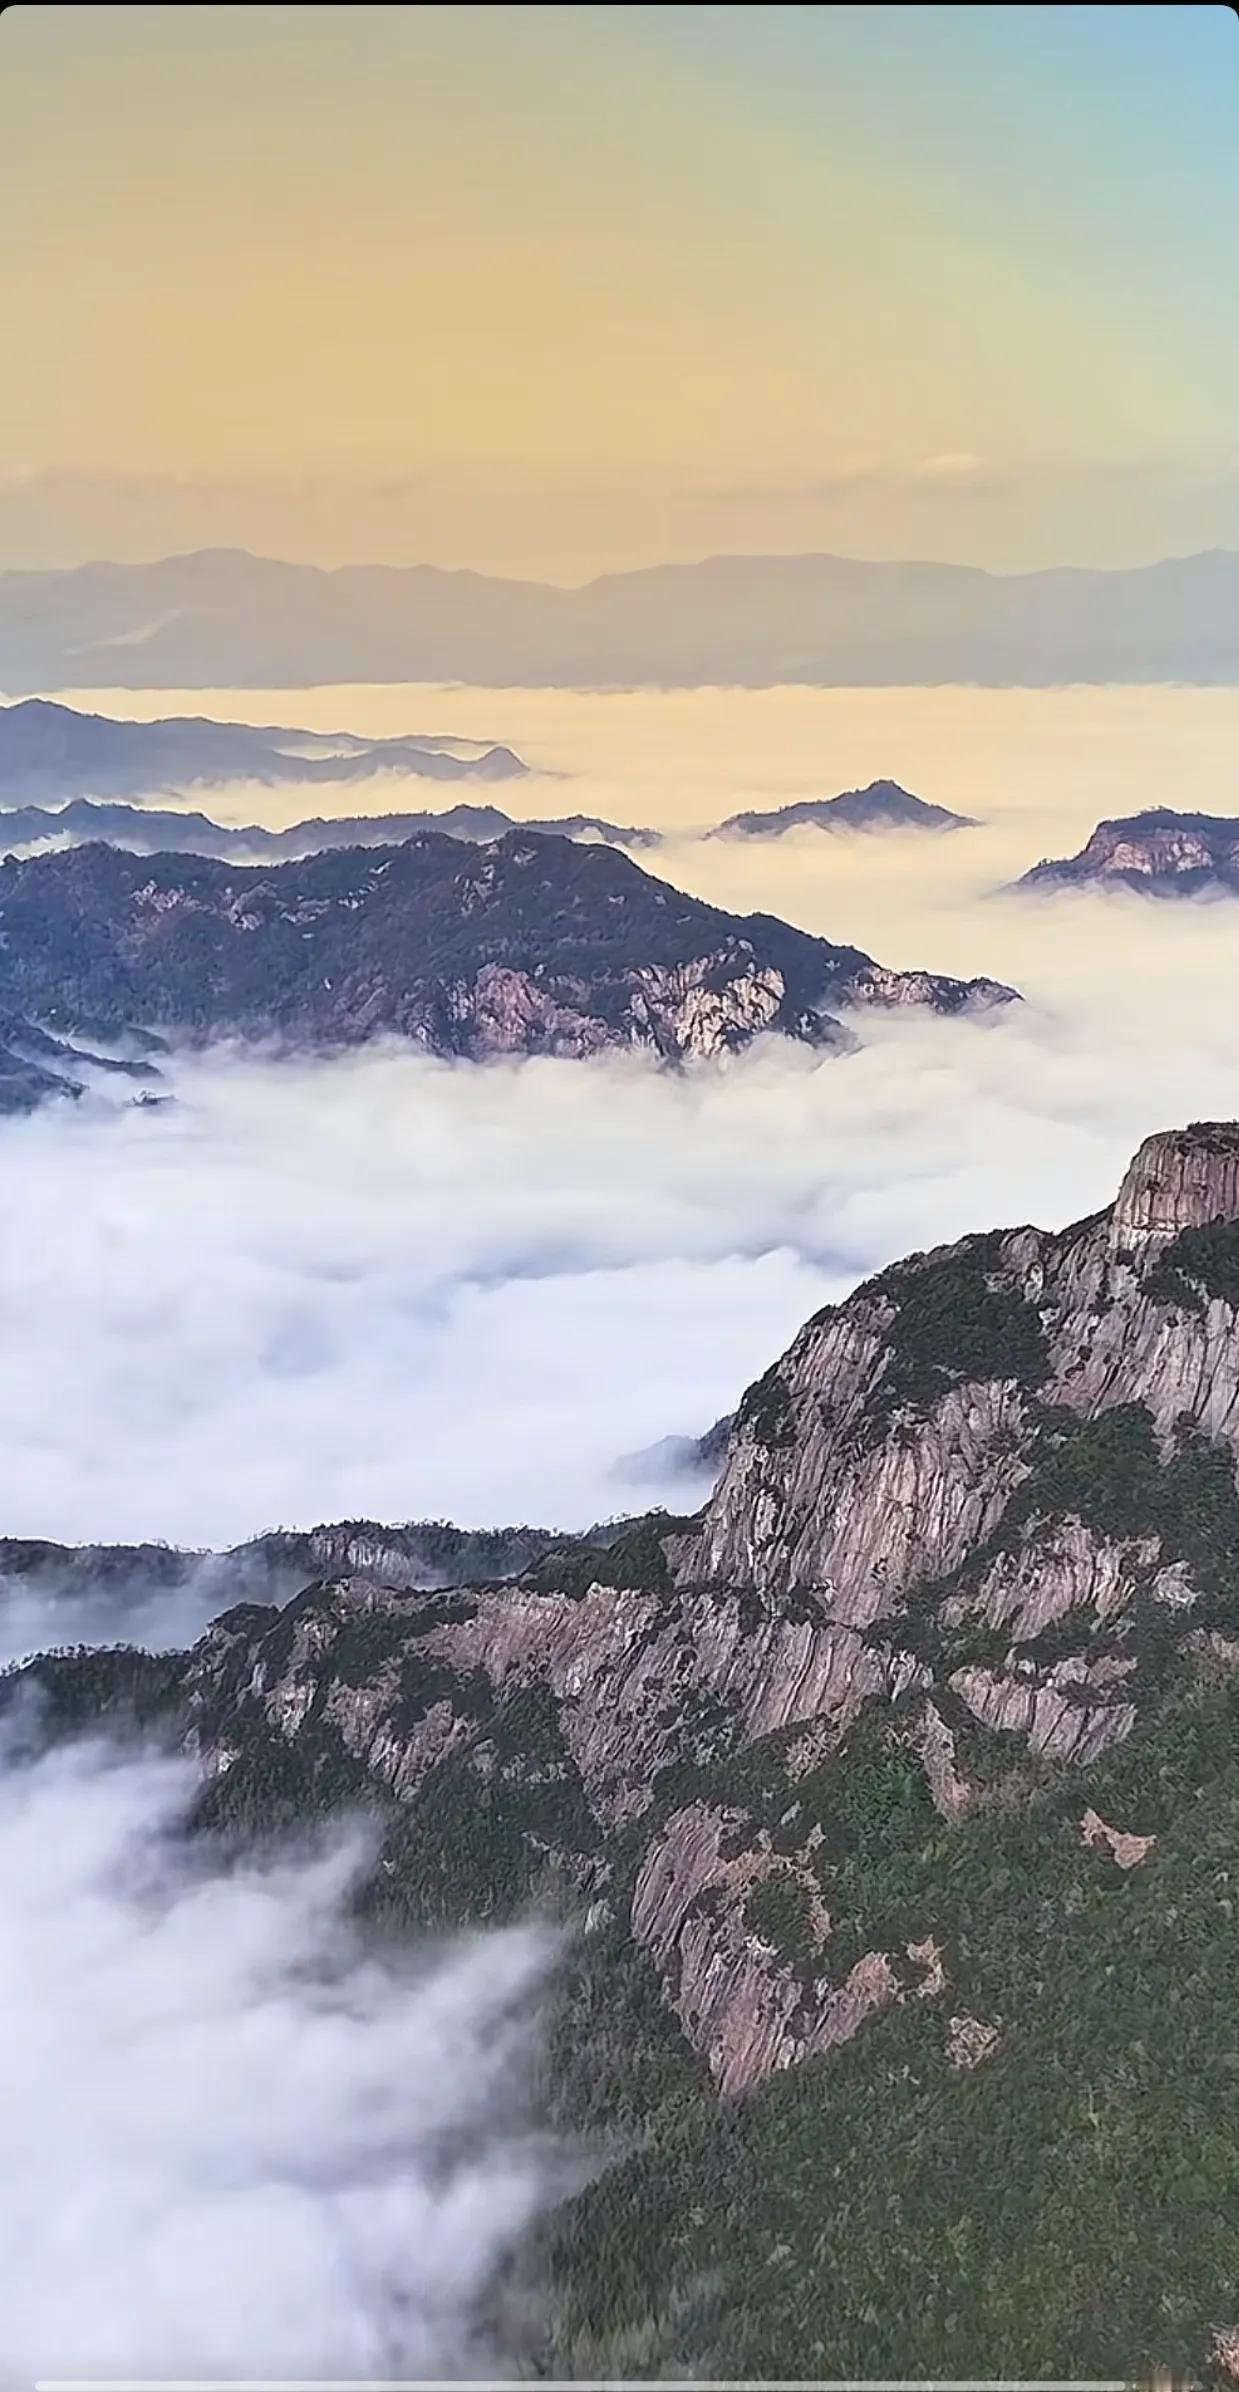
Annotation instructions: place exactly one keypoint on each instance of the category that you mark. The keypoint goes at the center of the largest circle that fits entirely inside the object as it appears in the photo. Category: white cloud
(52, 1607)
(391, 1288)
(234, 2144)
(954, 466)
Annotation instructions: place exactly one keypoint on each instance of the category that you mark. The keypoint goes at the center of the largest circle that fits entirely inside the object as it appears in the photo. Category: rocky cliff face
(981, 1518)
(1160, 852)
(893, 1797)
(529, 945)
(890, 1443)
(1179, 1180)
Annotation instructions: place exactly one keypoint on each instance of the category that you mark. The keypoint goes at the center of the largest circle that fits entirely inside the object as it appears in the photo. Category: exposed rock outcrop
(967, 1530)
(1125, 1850)
(970, 2041)
(526, 945)
(892, 1439)
(1180, 1179)
(1160, 852)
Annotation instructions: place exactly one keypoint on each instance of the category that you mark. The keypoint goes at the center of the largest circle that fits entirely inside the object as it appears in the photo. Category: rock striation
(978, 1521)
(1179, 1180)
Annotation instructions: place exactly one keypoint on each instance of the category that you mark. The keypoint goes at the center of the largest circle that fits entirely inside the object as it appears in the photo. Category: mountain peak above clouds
(530, 944)
(1159, 852)
(881, 806)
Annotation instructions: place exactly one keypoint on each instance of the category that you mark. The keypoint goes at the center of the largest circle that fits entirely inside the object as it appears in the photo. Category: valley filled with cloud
(239, 2143)
(391, 1287)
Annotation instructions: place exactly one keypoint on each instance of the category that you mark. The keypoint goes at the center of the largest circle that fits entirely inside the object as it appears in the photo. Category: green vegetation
(1069, 2207)
(278, 1785)
(618, 2065)
(1107, 1472)
(766, 1411)
(471, 1848)
(633, 1557)
(479, 1846)
(778, 1908)
(954, 1322)
(366, 1645)
(112, 1687)
(1199, 1263)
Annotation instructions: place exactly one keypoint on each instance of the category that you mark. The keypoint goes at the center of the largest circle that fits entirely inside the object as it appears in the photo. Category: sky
(545, 291)
(554, 291)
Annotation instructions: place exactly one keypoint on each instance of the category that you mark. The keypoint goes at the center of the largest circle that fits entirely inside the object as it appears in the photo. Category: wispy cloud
(235, 2143)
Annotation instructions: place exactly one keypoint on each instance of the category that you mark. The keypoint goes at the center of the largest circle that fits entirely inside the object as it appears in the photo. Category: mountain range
(1160, 852)
(153, 830)
(51, 751)
(882, 806)
(893, 1799)
(221, 618)
(529, 945)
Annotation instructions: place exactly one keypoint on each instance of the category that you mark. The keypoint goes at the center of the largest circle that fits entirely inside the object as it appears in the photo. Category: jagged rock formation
(1179, 1180)
(1160, 852)
(899, 1437)
(856, 1764)
(881, 806)
(529, 945)
(1126, 1851)
(981, 1493)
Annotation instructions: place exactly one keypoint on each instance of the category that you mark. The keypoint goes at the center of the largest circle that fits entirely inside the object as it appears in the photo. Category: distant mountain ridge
(148, 830)
(222, 618)
(53, 751)
(1161, 852)
(882, 806)
(530, 945)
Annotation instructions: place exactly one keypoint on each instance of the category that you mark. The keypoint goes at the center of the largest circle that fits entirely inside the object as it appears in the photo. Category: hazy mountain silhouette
(882, 806)
(51, 751)
(222, 618)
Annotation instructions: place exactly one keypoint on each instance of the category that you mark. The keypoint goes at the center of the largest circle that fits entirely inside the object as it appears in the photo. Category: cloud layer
(393, 1288)
(235, 2145)
(390, 1287)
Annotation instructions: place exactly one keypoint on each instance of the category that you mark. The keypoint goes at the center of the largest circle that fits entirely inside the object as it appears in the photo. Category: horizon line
(664, 565)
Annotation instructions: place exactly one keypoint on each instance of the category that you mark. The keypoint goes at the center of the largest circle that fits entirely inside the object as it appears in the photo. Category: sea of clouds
(388, 1287)
(382, 1286)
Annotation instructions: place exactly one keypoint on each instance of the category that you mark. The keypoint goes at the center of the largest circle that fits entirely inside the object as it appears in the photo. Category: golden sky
(550, 290)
